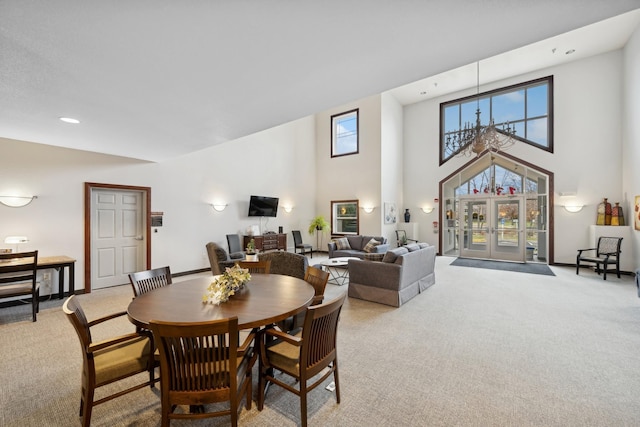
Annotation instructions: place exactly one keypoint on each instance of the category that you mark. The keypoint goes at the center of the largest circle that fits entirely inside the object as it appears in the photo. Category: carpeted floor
(531, 268)
(479, 348)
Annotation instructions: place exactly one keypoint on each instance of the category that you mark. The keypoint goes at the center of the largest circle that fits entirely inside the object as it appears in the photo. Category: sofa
(356, 246)
(401, 275)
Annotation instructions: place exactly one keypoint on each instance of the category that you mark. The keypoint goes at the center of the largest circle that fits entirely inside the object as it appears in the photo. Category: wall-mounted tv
(263, 206)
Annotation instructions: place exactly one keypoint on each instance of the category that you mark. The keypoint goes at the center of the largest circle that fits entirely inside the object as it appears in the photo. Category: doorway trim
(550, 198)
(88, 188)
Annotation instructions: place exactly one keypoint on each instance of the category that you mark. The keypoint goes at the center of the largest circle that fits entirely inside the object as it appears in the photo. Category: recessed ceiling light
(569, 52)
(424, 92)
(70, 120)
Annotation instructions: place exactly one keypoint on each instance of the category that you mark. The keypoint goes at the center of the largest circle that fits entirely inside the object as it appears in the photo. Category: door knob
(138, 238)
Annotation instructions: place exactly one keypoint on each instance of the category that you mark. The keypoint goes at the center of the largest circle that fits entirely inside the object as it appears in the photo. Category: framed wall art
(390, 213)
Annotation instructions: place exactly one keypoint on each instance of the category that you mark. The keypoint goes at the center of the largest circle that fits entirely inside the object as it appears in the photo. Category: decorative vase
(407, 215)
(617, 218)
(251, 257)
(604, 213)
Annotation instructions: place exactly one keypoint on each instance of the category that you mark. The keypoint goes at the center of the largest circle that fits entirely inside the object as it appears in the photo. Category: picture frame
(390, 213)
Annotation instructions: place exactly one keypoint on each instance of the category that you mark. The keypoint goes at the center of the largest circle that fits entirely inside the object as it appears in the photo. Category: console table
(59, 263)
(267, 242)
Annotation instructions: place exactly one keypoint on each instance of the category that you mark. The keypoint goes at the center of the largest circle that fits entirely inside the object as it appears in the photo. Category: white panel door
(117, 242)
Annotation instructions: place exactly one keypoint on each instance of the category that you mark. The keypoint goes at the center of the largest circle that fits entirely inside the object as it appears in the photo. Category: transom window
(344, 133)
(527, 107)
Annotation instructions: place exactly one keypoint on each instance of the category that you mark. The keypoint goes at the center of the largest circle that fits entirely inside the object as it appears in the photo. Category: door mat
(504, 266)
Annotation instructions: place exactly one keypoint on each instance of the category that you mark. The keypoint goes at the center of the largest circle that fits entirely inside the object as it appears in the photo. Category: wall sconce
(16, 240)
(287, 209)
(16, 201)
(219, 207)
(426, 209)
(368, 209)
(573, 208)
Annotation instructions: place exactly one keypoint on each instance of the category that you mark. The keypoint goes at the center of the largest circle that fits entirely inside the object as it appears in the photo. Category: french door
(490, 227)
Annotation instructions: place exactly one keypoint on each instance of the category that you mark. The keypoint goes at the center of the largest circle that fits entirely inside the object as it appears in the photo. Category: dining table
(265, 299)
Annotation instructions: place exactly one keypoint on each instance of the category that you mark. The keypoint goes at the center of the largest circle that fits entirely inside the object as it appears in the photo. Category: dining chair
(256, 267)
(108, 360)
(18, 277)
(148, 280)
(310, 353)
(235, 248)
(298, 244)
(202, 363)
(317, 278)
(607, 252)
(401, 236)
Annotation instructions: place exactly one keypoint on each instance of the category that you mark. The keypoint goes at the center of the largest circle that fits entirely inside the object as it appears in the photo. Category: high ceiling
(155, 79)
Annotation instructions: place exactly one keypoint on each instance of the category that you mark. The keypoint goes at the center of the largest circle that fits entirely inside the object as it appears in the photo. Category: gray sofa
(356, 247)
(402, 274)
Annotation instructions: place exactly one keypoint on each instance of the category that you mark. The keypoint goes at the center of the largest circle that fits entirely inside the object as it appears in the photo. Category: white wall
(278, 162)
(354, 176)
(588, 146)
(631, 135)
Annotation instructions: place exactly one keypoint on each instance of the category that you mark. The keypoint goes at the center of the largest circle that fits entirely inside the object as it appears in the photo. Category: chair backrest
(233, 240)
(286, 263)
(216, 255)
(256, 267)
(145, 281)
(198, 361)
(76, 316)
(401, 236)
(297, 237)
(609, 245)
(318, 279)
(19, 267)
(319, 335)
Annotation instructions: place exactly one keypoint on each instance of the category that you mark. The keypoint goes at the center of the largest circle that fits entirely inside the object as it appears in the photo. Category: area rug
(504, 266)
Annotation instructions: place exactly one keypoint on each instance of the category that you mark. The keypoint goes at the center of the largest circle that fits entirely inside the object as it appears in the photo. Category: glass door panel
(506, 229)
(474, 241)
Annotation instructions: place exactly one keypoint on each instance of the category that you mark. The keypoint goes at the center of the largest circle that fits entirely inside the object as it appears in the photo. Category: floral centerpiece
(233, 279)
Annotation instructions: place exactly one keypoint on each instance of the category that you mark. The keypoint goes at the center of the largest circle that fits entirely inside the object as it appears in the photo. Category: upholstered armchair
(286, 263)
(218, 258)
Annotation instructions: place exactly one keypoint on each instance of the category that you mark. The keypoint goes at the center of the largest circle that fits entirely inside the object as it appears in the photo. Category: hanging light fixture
(475, 139)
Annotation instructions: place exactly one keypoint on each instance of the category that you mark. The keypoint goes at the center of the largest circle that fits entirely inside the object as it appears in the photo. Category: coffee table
(338, 269)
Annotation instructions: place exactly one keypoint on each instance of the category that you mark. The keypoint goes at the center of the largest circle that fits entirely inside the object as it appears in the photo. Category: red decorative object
(512, 190)
(475, 191)
(499, 190)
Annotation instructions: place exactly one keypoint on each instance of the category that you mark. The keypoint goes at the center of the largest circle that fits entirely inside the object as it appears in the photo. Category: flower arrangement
(233, 279)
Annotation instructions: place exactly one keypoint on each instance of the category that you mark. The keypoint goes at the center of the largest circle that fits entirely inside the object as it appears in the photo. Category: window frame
(489, 95)
(335, 118)
(335, 218)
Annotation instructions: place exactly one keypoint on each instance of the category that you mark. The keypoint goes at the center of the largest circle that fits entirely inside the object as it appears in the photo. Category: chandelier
(475, 139)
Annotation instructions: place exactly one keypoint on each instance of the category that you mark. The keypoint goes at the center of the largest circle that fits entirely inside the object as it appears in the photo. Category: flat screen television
(263, 206)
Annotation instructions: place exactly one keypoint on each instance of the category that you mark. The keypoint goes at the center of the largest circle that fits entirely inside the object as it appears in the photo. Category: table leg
(60, 282)
(72, 279)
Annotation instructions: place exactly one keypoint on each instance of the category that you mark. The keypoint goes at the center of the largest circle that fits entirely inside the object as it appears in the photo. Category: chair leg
(86, 408)
(606, 267)
(336, 380)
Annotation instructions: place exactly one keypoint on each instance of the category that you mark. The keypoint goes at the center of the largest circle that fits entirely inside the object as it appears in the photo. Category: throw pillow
(391, 255)
(371, 246)
(342, 243)
(412, 247)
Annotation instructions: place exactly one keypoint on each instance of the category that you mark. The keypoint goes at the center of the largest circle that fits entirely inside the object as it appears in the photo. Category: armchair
(607, 252)
(218, 258)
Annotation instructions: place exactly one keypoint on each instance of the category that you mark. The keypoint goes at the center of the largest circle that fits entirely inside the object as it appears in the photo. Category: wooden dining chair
(18, 277)
(304, 355)
(202, 363)
(317, 278)
(145, 281)
(108, 360)
(256, 267)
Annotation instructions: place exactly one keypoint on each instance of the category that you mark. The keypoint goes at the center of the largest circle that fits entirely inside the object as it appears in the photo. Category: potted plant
(252, 254)
(317, 224)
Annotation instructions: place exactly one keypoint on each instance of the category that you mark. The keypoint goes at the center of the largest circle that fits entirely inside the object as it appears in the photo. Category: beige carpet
(480, 348)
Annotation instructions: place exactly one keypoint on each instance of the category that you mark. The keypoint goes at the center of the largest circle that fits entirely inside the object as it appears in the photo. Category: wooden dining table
(265, 299)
